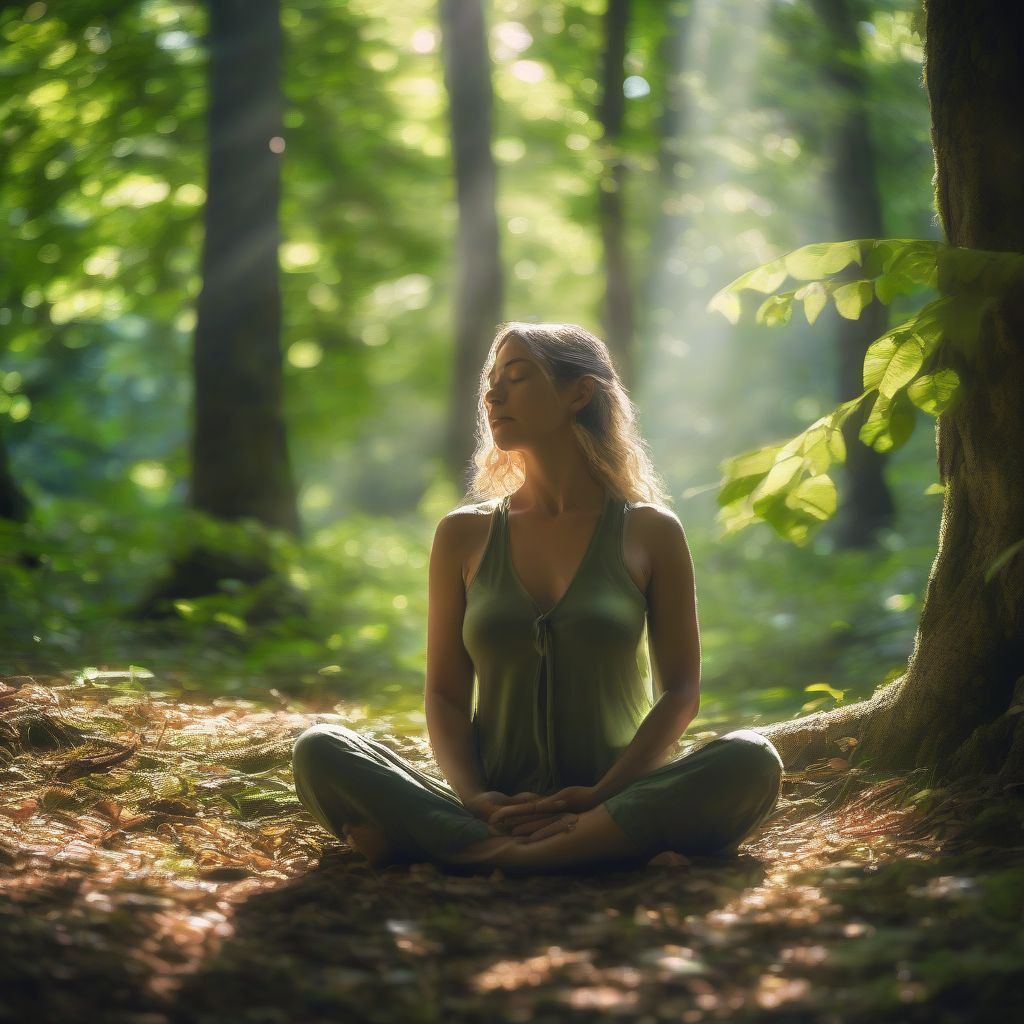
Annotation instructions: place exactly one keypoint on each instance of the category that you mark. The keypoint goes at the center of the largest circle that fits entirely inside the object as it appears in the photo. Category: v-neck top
(559, 694)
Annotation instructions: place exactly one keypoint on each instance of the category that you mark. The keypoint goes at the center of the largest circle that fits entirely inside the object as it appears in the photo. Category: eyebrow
(519, 359)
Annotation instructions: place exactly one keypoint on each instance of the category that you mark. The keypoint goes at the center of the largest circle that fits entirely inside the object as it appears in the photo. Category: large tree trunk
(867, 504)
(240, 464)
(479, 289)
(957, 708)
(619, 313)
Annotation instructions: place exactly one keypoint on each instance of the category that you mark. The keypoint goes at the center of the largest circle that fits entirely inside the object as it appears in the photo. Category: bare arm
(448, 693)
(675, 645)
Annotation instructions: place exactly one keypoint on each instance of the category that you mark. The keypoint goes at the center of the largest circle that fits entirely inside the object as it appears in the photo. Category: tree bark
(480, 283)
(619, 311)
(14, 506)
(675, 166)
(867, 503)
(240, 463)
(957, 706)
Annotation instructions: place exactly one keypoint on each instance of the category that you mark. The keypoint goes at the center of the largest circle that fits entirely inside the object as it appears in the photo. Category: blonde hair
(606, 428)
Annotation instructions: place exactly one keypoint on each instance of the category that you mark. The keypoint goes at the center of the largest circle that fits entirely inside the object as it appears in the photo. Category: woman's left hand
(547, 809)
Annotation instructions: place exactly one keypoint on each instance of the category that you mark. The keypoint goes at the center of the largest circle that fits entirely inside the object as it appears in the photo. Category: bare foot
(371, 843)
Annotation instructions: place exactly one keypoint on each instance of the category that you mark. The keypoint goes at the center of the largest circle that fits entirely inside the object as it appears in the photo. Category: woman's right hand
(483, 805)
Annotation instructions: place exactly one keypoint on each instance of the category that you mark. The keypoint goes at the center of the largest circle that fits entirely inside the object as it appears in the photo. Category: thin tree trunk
(675, 166)
(867, 503)
(619, 312)
(14, 506)
(240, 463)
(957, 706)
(480, 284)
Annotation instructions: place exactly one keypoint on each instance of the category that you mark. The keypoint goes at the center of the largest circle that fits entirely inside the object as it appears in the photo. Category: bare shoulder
(654, 518)
(462, 532)
(659, 529)
(467, 519)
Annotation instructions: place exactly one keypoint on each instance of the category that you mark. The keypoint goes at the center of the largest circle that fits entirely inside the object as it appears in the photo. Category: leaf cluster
(909, 368)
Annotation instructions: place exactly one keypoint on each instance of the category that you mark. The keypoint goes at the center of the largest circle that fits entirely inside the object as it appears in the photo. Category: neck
(556, 486)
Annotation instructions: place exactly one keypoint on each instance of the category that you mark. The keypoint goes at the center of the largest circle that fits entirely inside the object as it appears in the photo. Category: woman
(541, 592)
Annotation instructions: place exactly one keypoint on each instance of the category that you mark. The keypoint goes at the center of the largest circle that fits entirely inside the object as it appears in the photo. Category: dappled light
(195, 843)
(255, 256)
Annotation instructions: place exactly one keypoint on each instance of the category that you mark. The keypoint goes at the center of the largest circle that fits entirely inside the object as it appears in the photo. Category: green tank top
(559, 694)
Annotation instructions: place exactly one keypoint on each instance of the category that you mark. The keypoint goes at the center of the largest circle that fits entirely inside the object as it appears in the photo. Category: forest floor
(155, 868)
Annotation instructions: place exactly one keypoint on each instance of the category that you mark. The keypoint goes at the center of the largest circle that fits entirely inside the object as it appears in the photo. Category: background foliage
(102, 148)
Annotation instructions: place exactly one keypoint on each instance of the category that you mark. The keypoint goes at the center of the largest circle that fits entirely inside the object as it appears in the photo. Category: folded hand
(535, 817)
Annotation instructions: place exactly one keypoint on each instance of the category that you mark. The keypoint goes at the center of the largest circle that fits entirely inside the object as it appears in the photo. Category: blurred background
(378, 183)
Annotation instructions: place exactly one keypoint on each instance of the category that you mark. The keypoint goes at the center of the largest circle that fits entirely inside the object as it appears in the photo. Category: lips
(500, 419)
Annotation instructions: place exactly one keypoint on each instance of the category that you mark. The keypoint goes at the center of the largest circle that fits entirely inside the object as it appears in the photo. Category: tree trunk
(867, 504)
(619, 313)
(957, 707)
(14, 506)
(479, 288)
(675, 167)
(240, 464)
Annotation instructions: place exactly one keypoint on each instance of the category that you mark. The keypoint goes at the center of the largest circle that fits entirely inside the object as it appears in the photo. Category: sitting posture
(539, 591)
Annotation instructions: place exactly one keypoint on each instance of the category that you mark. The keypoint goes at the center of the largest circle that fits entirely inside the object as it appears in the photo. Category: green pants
(705, 802)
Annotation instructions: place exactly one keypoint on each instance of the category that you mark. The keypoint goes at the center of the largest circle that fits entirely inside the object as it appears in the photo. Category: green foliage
(103, 186)
(787, 485)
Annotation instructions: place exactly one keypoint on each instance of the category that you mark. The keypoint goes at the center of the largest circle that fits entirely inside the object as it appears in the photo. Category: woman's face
(522, 404)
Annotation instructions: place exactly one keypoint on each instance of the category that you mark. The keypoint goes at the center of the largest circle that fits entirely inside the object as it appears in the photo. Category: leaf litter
(156, 867)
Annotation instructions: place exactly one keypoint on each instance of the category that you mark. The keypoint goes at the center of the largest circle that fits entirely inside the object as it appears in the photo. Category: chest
(546, 557)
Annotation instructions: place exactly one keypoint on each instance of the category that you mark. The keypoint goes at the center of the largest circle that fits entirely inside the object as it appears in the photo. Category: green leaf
(890, 422)
(851, 298)
(825, 688)
(876, 426)
(877, 359)
(726, 303)
(751, 463)
(816, 496)
(787, 523)
(814, 296)
(817, 451)
(887, 288)
(743, 473)
(233, 622)
(877, 253)
(933, 392)
(776, 309)
(736, 517)
(733, 490)
(903, 365)
(915, 263)
(779, 477)
(935, 489)
(765, 278)
(821, 260)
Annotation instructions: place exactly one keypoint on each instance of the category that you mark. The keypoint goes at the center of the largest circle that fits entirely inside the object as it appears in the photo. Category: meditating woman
(539, 593)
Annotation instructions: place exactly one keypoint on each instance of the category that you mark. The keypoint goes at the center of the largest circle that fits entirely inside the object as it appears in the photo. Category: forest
(256, 255)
